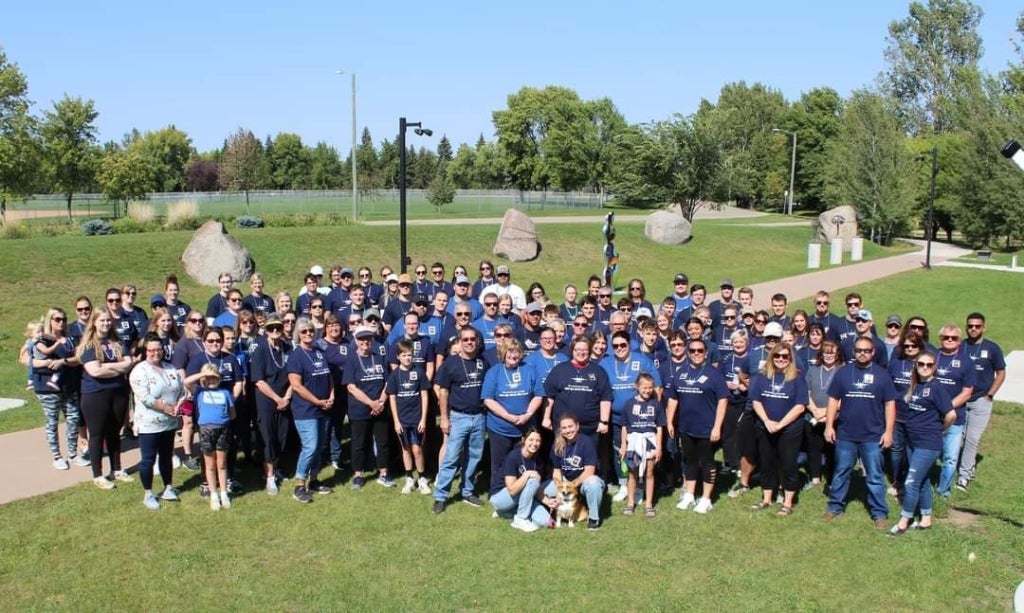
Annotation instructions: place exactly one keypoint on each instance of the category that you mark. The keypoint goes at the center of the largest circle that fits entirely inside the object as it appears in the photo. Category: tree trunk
(246, 201)
(3, 211)
(70, 218)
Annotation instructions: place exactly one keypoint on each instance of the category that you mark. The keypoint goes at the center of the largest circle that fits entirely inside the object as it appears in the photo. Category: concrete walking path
(26, 466)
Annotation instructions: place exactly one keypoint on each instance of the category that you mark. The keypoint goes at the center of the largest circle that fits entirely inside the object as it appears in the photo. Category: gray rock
(212, 251)
(517, 238)
(826, 227)
(666, 228)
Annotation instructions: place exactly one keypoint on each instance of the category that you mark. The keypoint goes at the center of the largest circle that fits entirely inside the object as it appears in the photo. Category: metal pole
(355, 190)
(931, 209)
(792, 174)
(401, 195)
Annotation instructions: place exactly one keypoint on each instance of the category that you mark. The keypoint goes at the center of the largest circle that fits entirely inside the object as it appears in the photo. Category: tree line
(871, 150)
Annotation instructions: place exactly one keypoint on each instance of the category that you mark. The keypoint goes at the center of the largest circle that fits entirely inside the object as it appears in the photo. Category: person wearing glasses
(229, 317)
(398, 306)
(954, 370)
(504, 285)
(638, 294)
(135, 314)
(458, 384)
(489, 320)
(372, 292)
(309, 377)
(437, 281)
(581, 387)
(623, 366)
(273, 396)
(485, 279)
(122, 326)
(227, 366)
(697, 397)
(317, 311)
(846, 328)
(462, 295)
(336, 347)
(828, 321)
(529, 331)
(722, 333)
(779, 397)
(55, 353)
(605, 308)
(901, 368)
(339, 295)
(893, 326)
(859, 421)
(308, 293)
(188, 347)
(104, 400)
(365, 375)
(929, 411)
(989, 375)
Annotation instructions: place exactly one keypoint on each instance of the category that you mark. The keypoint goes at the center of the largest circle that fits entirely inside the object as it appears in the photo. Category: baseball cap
(273, 320)
(347, 271)
(534, 307)
(502, 270)
(158, 300)
(643, 312)
(404, 278)
(461, 279)
(864, 314)
(773, 328)
(418, 298)
(893, 319)
(364, 332)
(392, 278)
(317, 270)
(726, 282)
(681, 278)
(368, 313)
(747, 311)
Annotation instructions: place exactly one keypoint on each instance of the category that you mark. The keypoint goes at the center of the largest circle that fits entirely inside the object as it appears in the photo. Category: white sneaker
(123, 477)
(621, 494)
(424, 485)
(214, 502)
(61, 464)
(409, 486)
(225, 500)
(81, 460)
(703, 506)
(103, 483)
(272, 489)
(151, 502)
(524, 524)
(170, 494)
(175, 461)
(686, 502)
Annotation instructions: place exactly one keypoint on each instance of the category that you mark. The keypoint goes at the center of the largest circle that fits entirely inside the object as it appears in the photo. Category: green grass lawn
(998, 258)
(379, 550)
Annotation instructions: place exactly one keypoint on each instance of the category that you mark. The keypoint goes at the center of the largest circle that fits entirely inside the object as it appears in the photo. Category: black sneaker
(473, 500)
(235, 487)
(302, 495)
(439, 506)
(593, 524)
(319, 488)
(204, 491)
(358, 483)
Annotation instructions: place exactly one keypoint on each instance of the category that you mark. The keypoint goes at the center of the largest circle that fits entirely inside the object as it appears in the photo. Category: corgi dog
(570, 507)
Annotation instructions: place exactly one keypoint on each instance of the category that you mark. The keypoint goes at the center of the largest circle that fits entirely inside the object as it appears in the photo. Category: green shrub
(15, 230)
(97, 227)
(249, 221)
(185, 223)
(132, 225)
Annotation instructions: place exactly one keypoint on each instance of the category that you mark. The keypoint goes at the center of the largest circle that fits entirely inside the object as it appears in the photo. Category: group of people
(625, 396)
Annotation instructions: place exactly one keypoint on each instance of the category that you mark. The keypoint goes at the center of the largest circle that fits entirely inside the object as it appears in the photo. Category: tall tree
(167, 150)
(20, 149)
(870, 166)
(290, 162)
(70, 150)
(326, 170)
(125, 175)
(816, 120)
(242, 165)
(202, 175)
(463, 167)
(926, 52)
(368, 165)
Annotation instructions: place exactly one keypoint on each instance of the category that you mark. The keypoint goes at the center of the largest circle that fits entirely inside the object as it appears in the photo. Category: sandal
(784, 511)
(760, 506)
(650, 512)
(628, 510)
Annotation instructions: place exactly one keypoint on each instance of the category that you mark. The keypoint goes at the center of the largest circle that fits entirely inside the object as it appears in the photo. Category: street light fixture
(355, 191)
(792, 168)
(419, 130)
(929, 230)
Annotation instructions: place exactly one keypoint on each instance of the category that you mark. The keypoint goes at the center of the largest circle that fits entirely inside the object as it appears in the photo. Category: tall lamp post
(792, 168)
(402, 217)
(355, 190)
(928, 230)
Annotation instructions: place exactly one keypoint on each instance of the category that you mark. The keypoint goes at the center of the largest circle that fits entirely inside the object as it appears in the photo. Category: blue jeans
(466, 435)
(592, 490)
(951, 442)
(898, 455)
(870, 453)
(917, 490)
(523, 505)
(312, 436)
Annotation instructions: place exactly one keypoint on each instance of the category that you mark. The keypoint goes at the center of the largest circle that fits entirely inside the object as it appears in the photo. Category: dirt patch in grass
(962, 519)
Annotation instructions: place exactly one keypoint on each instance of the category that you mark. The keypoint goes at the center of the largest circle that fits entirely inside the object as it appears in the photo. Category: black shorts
(214, 438)
(746, 436)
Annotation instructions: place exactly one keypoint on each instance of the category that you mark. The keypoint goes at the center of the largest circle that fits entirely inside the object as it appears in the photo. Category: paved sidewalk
(25, 463)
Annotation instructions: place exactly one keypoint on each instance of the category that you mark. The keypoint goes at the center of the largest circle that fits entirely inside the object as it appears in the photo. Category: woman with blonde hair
(55, 379)
(104, 394)
(779, 397)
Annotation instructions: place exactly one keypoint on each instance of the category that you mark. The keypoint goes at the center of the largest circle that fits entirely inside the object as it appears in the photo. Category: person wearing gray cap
(530, 331)
(725, 299)
(893, 327)
(365, 375)
(504, 286)
(338, 296)
(463, 294)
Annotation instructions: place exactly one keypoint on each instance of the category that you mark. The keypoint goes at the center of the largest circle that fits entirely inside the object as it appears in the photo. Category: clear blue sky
(211, 67)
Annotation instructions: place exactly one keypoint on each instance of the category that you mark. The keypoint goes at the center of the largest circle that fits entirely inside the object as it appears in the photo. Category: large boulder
(212, 251)
(517, 238)
(840, 222)
(667, 228)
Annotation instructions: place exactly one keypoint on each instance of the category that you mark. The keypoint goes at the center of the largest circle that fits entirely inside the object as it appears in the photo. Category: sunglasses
(604, 295)
(782, 356)
(911, 346)
(275, 328)
(853, 304)
(760, 321)
(195, 320)
(696, 350)
(925, 364)
(364, 275)
(421, 272)
(87, 309)
(948, 337)
(730, 316)
(892, 325)
(306, 331)
(821, 302)
(502, 335)
(132, 293)
(677, 344)
(634, 289)
(975, 326)
(863, 349)
(462, 314)
(288, 322)
(58, 319)
(470, 339)
(436, 272)
(316, 306)
(113, 300)
(579, 324)
(214, 341)
(234, 299)
(916, 326)
(620, 345)
(490, 304)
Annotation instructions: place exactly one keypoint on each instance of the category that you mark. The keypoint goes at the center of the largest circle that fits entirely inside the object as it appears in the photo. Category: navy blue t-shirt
(778, 397)
(575, 457)
(269, 365)
(515, 464)
(368, 374)
(108, 355)
(464, 381)
(862, 393)
(955, 372)
(312, 366)
(643, 416)
(988, 359)
(697, 390)
(258, 304)
(925, 411)
(579, 391)
(405, 386)
(622, 377)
